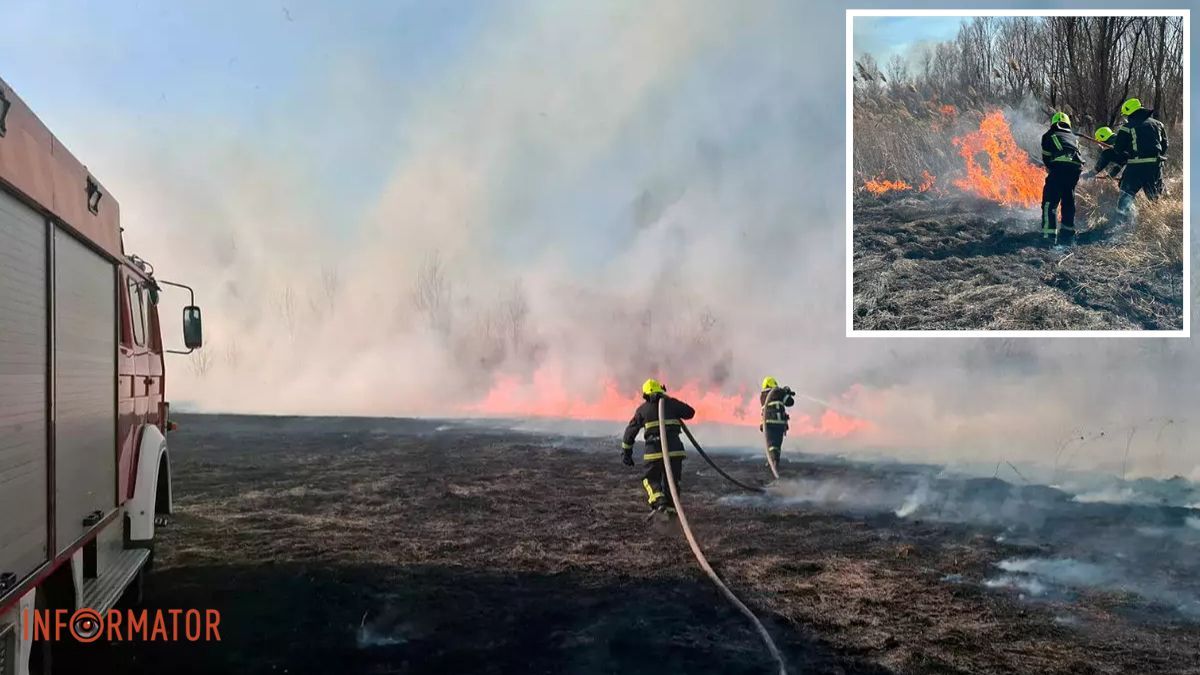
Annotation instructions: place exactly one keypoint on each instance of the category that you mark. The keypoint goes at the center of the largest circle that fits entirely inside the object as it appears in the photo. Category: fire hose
(691, 539)
(703, 454)
(770, 457)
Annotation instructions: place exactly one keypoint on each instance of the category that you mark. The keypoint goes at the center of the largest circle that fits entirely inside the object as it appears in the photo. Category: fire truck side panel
(24, 521)
(36, 164)
(140, 375)
(128, 425)
(85, 350)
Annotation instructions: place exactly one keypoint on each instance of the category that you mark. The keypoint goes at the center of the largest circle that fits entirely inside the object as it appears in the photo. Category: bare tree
(515, 312)
(897, 72)
(232, 355)
(977, 70)
(200, 362)
(432, 293)
(285, 305)
(869, 76)
(330, 285)
(1085, 66)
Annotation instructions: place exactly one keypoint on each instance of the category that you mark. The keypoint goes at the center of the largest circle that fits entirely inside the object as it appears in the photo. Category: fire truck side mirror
(193, 337)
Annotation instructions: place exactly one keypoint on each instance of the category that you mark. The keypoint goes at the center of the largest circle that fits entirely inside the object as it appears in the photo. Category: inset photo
(1017, 173)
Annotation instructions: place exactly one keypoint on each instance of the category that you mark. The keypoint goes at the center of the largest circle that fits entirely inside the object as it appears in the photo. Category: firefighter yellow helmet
(1131, 106)
(1061, 118)
(1103, 134)
(652, 386)
(770, 383)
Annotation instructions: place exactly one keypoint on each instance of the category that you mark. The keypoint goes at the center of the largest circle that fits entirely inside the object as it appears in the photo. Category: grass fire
(978, 244)
(524, 341)
(545, 396)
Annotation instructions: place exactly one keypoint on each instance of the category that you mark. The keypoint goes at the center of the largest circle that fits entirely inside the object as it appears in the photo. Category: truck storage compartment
(85, 350)
(23, 349)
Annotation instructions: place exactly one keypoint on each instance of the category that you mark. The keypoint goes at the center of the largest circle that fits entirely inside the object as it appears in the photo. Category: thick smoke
(594, 193)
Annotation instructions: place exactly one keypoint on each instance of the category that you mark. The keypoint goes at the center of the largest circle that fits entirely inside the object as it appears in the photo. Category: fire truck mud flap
(153, 477)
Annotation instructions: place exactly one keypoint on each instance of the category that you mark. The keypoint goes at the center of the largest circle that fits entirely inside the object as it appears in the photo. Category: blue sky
(886, 36)
(257, 71)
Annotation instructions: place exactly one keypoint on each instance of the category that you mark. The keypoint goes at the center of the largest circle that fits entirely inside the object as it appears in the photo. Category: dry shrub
(892, 142)
(1156, 239)
(1160, 225)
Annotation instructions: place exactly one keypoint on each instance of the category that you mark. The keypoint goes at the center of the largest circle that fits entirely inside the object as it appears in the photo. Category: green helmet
(1103, 134)
(1061, 118)
(1131, 106)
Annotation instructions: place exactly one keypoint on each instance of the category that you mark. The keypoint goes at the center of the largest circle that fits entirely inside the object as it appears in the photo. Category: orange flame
(1008, 177)
(948, 116)
(831, 424)
(927, 181)
(546, 397)
(878, 186)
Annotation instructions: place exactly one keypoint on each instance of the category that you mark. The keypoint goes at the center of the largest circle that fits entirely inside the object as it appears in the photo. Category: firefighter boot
(1066, 235)
(1125, 207)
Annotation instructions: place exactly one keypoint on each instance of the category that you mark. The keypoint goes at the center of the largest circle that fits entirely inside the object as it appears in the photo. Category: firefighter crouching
(645, 419)
(1060, 155)
(1142, 143)
(1109, 157)
(775, 399)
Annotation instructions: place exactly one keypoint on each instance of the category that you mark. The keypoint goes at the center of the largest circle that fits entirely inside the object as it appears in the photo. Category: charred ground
(936, 261)
(392, 546)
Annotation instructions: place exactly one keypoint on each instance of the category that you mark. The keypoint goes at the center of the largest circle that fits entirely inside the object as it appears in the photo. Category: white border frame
(851, 332)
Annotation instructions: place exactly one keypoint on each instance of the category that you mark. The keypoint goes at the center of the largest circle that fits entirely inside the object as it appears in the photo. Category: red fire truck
(85, 474)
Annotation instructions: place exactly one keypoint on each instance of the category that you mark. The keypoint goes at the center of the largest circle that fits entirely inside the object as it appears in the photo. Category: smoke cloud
(589, 194)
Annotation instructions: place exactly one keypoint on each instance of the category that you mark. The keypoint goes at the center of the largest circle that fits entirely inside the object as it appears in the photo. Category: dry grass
(901, 139)
(498, 552)
(1160, 225)
(941, 260)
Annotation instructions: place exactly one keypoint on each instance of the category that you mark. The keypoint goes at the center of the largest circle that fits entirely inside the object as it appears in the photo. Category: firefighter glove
(627, 456)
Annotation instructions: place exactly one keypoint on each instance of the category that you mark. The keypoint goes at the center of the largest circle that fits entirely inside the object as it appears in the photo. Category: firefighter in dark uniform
(1142, 143)
(1060, 155)
(774, 400)
(645, 419)
(1109, 157)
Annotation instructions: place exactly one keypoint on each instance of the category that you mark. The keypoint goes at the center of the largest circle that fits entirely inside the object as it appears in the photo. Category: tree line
(1085, 66)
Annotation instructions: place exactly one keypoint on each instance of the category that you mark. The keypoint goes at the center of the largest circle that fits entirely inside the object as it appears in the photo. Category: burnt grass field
(939, 261)
(334, 545)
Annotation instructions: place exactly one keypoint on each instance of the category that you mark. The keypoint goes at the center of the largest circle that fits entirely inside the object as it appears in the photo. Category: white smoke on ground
(1141, 547)
(600, 193)
(1112, 495)
(914, 501)
(1037, 576)
(1023, 584)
